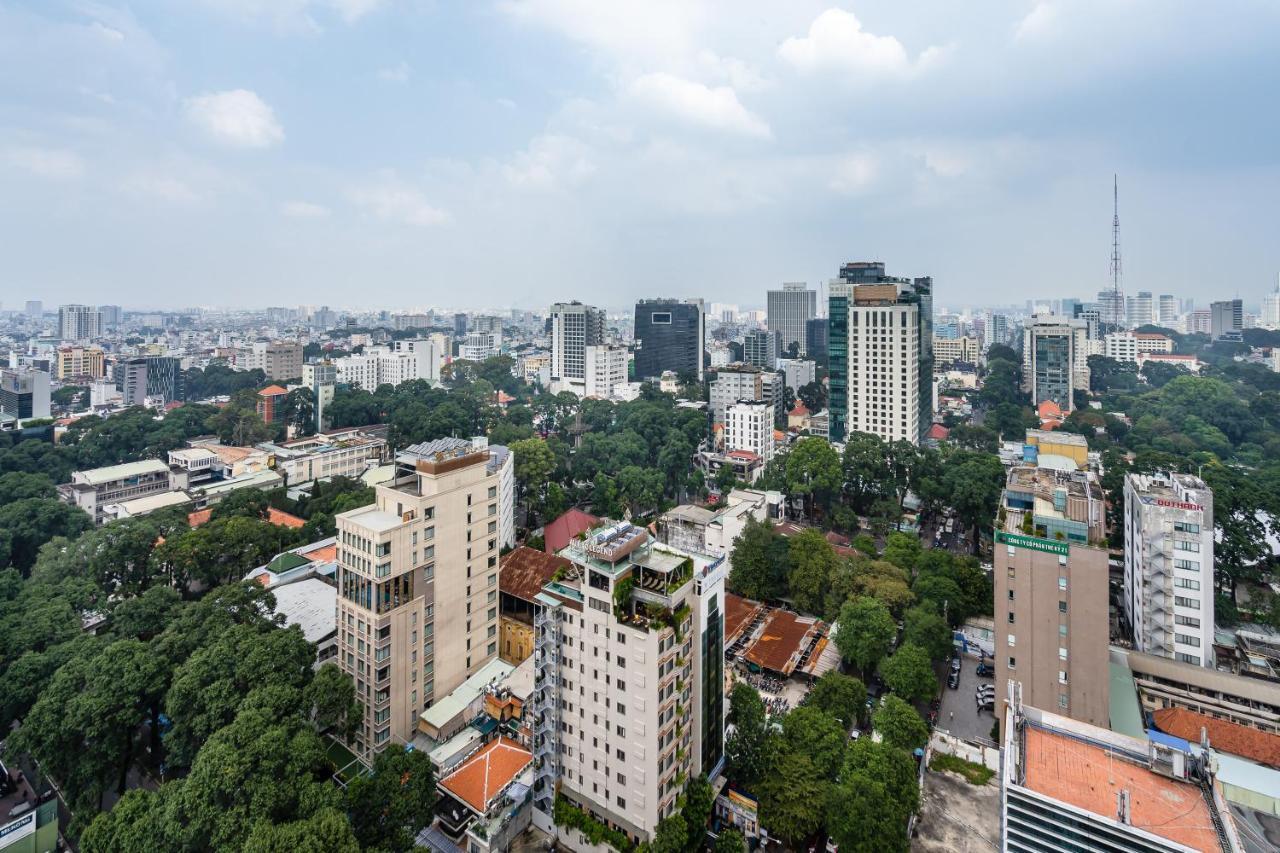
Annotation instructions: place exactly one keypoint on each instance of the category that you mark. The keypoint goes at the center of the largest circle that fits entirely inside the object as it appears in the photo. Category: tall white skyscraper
(79, 322)
(1055, 364)
(1168, 565)
(1139, 310)
(1271, 309)
(574, 327)
(788, 311)
(1167, 311)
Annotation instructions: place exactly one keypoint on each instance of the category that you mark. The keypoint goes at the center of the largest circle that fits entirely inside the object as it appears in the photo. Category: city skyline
(312, 151)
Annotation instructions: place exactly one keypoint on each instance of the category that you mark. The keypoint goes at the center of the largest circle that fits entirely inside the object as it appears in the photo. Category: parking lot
(959, 714)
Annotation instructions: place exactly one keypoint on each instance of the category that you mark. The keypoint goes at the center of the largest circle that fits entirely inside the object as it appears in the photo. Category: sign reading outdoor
(1020, 541)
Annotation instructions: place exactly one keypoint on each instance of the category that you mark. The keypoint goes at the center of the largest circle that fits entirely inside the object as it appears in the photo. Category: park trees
(909, 673)
(866, 632)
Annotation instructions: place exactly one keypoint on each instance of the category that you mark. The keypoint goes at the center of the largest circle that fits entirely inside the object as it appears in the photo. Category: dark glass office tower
(670, 334)
(816, 337)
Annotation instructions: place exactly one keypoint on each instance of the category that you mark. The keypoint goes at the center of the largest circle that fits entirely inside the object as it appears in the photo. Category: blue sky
(492, 153)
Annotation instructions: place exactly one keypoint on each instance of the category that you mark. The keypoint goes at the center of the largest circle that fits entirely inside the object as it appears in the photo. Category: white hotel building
(1168, 565)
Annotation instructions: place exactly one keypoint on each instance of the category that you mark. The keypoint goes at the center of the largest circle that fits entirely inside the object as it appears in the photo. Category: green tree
(671, 836)
(865, 632)
(390, 807)
(331, 696)
(747, 745)
(19, 485)
(759, 560)
(730, 841)
(28, 523)
(793, 798)
(903, 550)
(326, 831)
(924, 627)
(899, 724)
(699, 800)
(817, 735)
(534, 463)
(841, 696)
(813, 561)
(865, 819)
(973, 482)
(909, 673)
(813, 472)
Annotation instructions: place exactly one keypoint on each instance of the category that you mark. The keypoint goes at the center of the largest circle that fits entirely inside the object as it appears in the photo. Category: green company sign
(1019, 541)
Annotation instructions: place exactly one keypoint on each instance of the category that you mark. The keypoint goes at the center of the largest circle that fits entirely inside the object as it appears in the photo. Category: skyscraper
(156, 377)
(670, 334)
(574, 327)
(1271, 310)
(24, 393)
(816, 334)
(1112, 309)
(418, 586)
(880, 338)
(79, 323)
(1167, 311)
(761, 348)
(1055, 360)
(111, 316)
(1139, 309)
(35, 309)
(788, 310)
(1226, 319)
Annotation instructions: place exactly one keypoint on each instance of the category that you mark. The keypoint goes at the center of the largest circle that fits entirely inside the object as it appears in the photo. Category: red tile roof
(739, 612)
(280, 518)
(559, 533)
(1224, 735)
(938, 432)
(781, 640)
(799, 410)
(272, 391)
(199, 517)
(482, 777)
(525, 571)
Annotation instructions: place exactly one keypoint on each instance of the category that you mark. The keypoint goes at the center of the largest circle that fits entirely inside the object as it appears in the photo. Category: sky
(514, 153)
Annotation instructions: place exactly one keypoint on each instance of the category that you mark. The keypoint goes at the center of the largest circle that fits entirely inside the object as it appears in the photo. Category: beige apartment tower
(1051, 614)
(418, 586)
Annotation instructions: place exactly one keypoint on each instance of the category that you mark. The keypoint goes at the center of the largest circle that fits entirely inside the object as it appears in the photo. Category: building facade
(1226, 318)
(740, 382)
(629, 686)
(670, 334)
(1168, 565)
(788, 310)
(880, 335)
(1055, 363)
(762, 348)
(418, 587)
(1051, 591)
(79, 362)
(950, 351)
(574, 327)
(154, 379)
(79, 323)
(1167, 311)
(749, 427)
(24, 393)
(605, 370)
(94, 489)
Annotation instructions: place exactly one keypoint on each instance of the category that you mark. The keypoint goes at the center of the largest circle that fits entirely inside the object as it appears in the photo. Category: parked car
(955, 664)
(986, 670)
(953, 680)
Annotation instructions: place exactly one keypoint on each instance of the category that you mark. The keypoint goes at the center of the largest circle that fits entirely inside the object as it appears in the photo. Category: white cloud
(106, 33)
(398, 73)
(855, 173)
(54, 163)
(551, 161)
(391, 201)
(238, 118)
(162, 187)
(304, 210)
(694, 103)
(837, 42)
(1038, 22)
(644, 33)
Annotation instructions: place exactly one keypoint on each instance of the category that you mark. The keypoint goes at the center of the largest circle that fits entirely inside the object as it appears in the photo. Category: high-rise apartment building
(79, 323)
(80, 362)
(1226, 319)
(35, 309)
(628, 698)
(788, 312)
(401, 361)
(281, 361)
(670, 334)
(762, 348)
(1140, 309)
(574, 327)
(24, 393)
(322, 379)
(749, 427)
(881, 353)
(418, 586)
(1167, 311)
(1055, 363)
(1168, 565)
(459, 325)
(738, 382)
(1051, 590)
(1112, 309)
(480, 345)
(998, 331)
(111, 315)
(947, 352)
(606, 370)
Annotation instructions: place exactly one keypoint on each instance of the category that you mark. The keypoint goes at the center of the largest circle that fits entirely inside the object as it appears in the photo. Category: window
(1062, 653)
(1012, 640)
(1191, 603)
(1189, 621)
(1062, 700)
(1186, 583)
(1188, 565)
(1186, 527)
(622, 804)
(493, 491)
(1062, 584)
(1182, 545)
(1011, 620)
(1186, 658)
(1012, 662)
(1062, 607)
(1187, 640)
(1011, 595)
(1062, 676)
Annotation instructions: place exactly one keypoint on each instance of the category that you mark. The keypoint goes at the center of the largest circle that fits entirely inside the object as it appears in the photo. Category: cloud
(54, 163)
(238, 118)
(855, 173)
(398, 73)
(694, 103)
(304, 210)
(551, 161)
(162, 187)
(836, 42)
(294, 15)
(1038, 22)
(106, 33)
(648, 33)
(394, 202)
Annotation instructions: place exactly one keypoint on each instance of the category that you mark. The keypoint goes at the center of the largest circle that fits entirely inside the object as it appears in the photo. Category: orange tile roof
(272, 391)
(483, 776)
(323, 554)
(199, 517)
(559, 533)
(1083, 775)
(1224, 735)
(280, 518)
(799, 409)
(738, 614)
